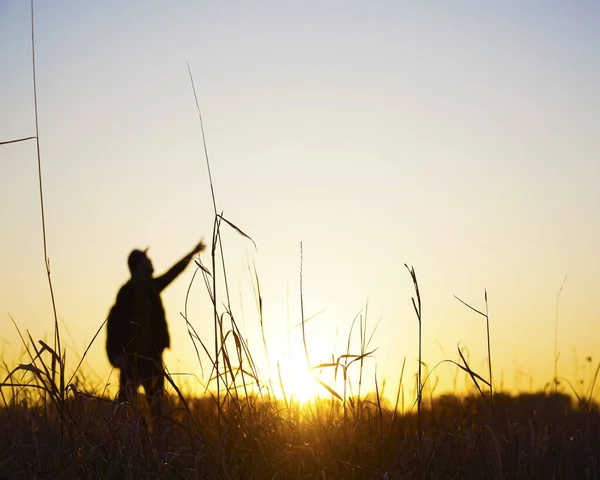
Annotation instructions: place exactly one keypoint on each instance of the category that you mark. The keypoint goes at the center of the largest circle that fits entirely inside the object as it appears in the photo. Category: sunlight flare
(297, 382)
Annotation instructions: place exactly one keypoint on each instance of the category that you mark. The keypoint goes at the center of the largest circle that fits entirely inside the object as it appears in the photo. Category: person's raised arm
(166, 278)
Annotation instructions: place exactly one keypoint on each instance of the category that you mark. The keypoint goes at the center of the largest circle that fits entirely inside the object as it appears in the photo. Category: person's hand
(199, 248)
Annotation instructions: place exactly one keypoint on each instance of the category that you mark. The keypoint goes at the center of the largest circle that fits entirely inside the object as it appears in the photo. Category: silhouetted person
(137, 331)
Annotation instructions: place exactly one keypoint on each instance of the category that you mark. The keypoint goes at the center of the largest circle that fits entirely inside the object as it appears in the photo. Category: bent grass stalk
(489, 350)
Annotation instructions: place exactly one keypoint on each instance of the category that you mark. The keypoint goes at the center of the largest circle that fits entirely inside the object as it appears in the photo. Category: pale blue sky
(459, 138)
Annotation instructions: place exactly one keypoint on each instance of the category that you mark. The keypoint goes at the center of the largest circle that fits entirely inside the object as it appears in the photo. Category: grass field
(87, 436)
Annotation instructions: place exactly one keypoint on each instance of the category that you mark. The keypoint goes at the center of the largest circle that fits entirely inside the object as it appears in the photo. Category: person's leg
(127, 382)
(153, 381)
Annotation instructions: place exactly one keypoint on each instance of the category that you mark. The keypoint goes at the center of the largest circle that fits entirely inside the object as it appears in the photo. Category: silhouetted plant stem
(556, 381)
(473, 376)
(487, 321)
(418, 312)
(57, 345)
(302, 311)
(17, 140)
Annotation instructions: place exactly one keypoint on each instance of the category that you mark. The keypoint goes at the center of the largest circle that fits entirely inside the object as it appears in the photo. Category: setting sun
(299, 383)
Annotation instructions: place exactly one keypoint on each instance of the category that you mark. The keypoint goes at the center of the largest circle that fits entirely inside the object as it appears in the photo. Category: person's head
(140, 265)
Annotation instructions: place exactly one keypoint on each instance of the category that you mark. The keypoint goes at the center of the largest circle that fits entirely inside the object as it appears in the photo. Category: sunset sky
(460, 138)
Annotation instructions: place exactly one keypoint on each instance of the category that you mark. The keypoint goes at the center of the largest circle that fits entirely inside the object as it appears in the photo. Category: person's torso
(147, 318)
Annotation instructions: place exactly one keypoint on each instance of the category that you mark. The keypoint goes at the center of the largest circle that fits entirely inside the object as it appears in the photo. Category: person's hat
(135, 257)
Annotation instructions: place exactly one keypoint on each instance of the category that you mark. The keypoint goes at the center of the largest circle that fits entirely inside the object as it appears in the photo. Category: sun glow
(298, 383)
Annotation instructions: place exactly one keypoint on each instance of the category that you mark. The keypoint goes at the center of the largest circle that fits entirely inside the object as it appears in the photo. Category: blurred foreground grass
(527, 436)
